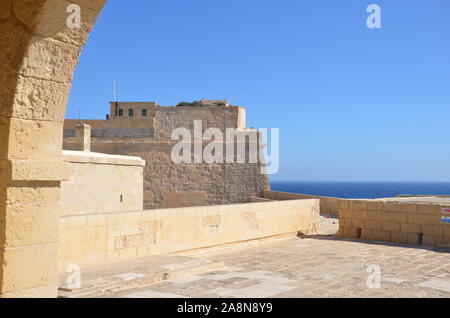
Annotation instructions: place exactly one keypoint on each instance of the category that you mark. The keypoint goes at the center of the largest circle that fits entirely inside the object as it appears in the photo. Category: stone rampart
(399, 221)
(103, 238)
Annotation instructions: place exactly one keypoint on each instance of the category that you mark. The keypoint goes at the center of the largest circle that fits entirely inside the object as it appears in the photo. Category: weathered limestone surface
(316, 267)
(101, 184)
(38, 54)
(395, 220)
(104, 238)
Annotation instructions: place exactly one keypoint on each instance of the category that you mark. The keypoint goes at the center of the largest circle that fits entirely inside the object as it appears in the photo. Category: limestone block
(50, 19)
(77, 222)
(28, 11)
(112, 256)
(12, 46)
(408, 208)
(358, 205)
(399, 217)
(34, 170)
(142, 251)
(4, 136)
(443, 242)
(343, 204)
(411, 228)
(96, 258)
(375, 205)
(40, 99)
(414, 238)
(188, 239)
(77, 243)
(173, 241)
(48, 291)
(188, 221)
(38, 262)
(415, 218)
(32, 194)
(349, 232)
(435, 218)
(374, 225)
(399, 237)
(345, 213)
(429, 240)
(447, 231)
(27, 225)
(392, 207)
(376, 215)
(359, 223)
(345, 222)
(48, 59)
(40, 140)
(428, 209)
(123, 183)
(83, 137)
(91, 4)
(391, 226)
(127, 253)
(366, 234)
(381, 235)
(433, 230)
(98, 220)
(360, 214)
(266, 226)
(8, 82)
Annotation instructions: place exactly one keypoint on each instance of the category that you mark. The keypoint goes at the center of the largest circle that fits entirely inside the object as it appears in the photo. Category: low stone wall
(399, 222)
(328, 205)
(101, 183)
(110, 237)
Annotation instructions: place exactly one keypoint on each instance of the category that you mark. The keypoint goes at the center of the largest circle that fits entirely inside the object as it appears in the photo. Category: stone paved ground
(315, 267)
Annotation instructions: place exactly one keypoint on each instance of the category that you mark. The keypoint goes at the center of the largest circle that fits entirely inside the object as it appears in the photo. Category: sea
(362, 190)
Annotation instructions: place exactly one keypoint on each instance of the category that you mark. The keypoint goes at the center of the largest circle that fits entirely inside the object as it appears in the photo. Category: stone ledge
(35, 170)
(100, 158)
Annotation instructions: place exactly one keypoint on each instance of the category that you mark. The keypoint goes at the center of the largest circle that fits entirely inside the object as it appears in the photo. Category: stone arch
(38, 55)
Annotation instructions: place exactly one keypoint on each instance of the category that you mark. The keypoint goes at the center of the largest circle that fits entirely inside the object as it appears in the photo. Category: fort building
(144, 129)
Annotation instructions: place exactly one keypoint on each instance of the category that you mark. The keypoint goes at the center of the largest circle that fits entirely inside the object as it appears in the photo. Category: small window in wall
(131, 112)
(144, 112)
(120, 112)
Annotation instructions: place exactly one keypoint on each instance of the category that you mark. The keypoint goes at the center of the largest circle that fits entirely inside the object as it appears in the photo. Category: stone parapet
(104, 238)
(395, 221)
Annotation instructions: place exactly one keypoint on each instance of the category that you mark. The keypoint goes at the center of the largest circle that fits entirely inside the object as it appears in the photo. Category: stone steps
(97, 282)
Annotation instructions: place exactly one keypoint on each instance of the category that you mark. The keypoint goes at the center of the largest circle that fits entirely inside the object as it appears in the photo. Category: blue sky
(352, 103)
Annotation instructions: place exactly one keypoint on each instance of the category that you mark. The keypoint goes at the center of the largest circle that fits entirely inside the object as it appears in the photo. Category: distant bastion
(144, 129)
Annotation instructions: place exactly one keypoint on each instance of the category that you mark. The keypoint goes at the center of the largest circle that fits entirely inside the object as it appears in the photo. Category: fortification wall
(168, 184)
(105, 238)
(395, 221)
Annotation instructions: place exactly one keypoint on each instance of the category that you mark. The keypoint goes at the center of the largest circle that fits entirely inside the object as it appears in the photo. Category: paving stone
(317, 267)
